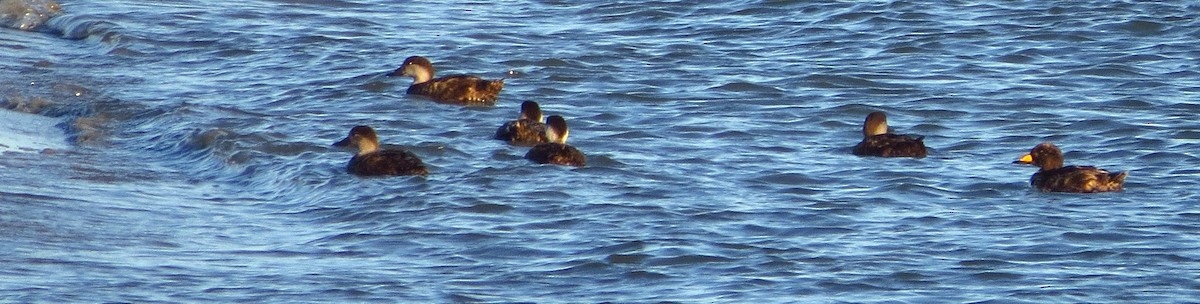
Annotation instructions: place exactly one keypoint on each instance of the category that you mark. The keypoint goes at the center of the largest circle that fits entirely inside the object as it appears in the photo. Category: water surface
(197, 166)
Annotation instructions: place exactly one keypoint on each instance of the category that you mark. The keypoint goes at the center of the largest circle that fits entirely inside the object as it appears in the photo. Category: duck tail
(1118, 178)
(1113, 181)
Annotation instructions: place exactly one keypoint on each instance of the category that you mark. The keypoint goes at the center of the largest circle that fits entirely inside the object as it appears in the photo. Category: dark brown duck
(371, 161)
(556, 151)
(457, 89)
(878, 142)
(1054, 177)
(527, 130)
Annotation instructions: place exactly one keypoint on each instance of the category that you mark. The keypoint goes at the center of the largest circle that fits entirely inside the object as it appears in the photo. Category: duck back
(1080, 179)
(522, 132)
(557, 154)
(387, 162)
(891, 145)
(460, 89)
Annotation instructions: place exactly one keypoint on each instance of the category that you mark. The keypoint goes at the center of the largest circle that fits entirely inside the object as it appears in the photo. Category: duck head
(876, 124)
(361, 137)
(1045, 155)
(531, 110)
(557, 129)
(417, 67)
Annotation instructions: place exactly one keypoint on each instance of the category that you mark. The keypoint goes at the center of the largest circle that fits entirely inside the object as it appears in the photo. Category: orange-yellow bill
(1025, 159)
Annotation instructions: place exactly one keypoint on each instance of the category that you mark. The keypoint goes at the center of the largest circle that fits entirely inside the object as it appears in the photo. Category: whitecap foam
(24, 132)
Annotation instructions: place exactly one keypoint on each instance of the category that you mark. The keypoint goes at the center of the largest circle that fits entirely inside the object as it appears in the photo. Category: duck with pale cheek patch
(456, 89)
(371, 161)
(878, 142)
(556, 151)
(527, 130)
(1052, 176)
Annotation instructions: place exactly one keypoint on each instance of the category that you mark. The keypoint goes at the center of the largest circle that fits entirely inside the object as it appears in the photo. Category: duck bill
(342, 143)
(1025, 159)
(397, 72)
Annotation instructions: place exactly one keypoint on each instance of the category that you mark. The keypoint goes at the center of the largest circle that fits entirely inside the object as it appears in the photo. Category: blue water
(198, 165)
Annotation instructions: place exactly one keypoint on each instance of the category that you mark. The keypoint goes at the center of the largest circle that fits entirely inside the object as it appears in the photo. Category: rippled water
(197, 166)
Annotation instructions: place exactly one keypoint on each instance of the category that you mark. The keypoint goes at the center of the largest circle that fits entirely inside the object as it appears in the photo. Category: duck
(371, 161)
(456, 89)
(1052, 176)
(556, 151)
(527, 130)
(28, 15)
(878, 142)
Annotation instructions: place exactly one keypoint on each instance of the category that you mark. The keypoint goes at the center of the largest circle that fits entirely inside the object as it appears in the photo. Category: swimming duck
(556, 151)
(878, 142)
(458, 89)
(371, 161)
(527, 130)
(27, 15)
(1053, 177)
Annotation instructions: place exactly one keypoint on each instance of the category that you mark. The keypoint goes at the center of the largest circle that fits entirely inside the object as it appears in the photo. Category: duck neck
(557, 137)
(367, 147)
(872, 130)
(1052, 164)
(419, 74)
(531, 116)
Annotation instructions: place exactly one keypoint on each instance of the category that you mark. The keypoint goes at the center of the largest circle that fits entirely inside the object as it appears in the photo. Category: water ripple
(718, 138)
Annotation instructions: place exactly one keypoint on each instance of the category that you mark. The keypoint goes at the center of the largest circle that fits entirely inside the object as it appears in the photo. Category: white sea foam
(24, 132)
